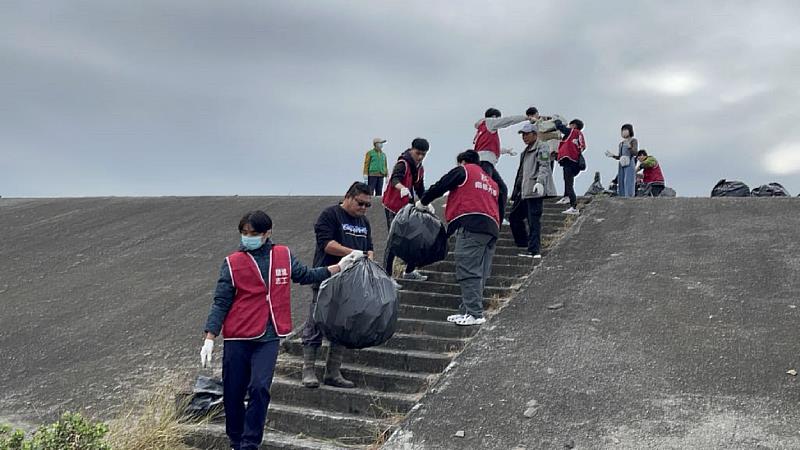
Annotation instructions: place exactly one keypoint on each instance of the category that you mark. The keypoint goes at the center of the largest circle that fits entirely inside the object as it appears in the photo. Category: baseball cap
(528, 128)
(378, 140)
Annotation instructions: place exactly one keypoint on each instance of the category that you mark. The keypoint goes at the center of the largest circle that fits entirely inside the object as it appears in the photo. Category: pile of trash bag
(357, 308)
(417, 237)
(725, 188)
(206, 399)
(596, 187)
(770, 190)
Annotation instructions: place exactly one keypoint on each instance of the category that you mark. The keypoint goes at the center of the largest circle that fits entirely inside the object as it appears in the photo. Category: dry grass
(154, 423)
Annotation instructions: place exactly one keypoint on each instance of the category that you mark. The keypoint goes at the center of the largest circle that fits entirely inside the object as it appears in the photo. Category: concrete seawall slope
(101, 296)
(679, 322)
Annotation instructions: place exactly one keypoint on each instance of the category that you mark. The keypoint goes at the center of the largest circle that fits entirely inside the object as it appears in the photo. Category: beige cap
(378, 140)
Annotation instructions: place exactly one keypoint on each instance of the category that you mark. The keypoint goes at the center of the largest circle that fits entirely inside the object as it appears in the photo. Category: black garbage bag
(596, 186)
(725, 188)
(417, 237)
(770, 190)
(206, 398)
(668, 192)
(357, 308)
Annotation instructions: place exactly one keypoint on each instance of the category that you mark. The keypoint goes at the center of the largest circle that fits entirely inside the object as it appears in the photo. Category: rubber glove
(538, 189)
(624, 160)
(423, 208)
(404, 192)
(609, 154)
(508, 151)
(206, 351)
(350, 259)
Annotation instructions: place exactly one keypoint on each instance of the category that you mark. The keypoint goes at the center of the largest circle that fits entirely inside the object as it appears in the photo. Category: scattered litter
(595, 320)
(792, 306)
(532, 403)
(710, 317)
(615, 254)
(569, 444)
(530, 412)
(550, 371)
(459, 434)
(792, 372)
(555, 306)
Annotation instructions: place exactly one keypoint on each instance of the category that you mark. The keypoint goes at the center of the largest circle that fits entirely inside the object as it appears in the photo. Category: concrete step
(508, 250)
(498, 269)
(434, 328)
(494, 281)
(445, 301)
(355, 401)
(503, 260)
(451, 288)
(363, 376)
(212, 436)
(384, 358)
(421, 342)
(424, 312)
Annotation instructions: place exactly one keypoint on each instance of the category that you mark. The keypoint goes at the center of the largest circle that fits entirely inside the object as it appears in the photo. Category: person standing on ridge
(534, 182)
(626, 174)
(406, 183)
(569, 156)
(375, 169)
(340, 230)
(473, 213)
(651, 169)
(252, 327)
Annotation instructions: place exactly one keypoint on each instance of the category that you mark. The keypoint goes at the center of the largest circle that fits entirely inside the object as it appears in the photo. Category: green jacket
(375, 163)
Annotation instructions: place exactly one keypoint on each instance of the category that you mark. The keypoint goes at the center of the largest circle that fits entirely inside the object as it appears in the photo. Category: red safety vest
(485, 140)
(654, 175)
(476, 195)
(257, 302)
(569, 149)
(391, 196)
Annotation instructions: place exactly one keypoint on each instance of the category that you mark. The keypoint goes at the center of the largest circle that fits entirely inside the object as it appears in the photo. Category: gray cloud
(254, 97)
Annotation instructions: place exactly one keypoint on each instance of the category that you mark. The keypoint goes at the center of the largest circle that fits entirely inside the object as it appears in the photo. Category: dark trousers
(247, 369)
(570, 172)
(375, 185)
(312, 335)
(529, 210)
(389, 255)
(656, 189)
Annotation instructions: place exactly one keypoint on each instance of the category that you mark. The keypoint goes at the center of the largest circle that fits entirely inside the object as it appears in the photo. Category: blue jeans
(626, 180)
(247, 369)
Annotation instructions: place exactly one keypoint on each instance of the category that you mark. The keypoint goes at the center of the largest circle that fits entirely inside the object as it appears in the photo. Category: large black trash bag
(417, 237)
(725, 188)
(596, 187)
(357, 308)
(206, 398)
(668, 192)
(770, 190)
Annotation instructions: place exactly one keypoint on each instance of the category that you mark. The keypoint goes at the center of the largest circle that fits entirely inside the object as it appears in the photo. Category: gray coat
(535, 168)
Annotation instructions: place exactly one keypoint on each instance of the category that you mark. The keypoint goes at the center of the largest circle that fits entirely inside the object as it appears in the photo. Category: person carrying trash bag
(418, 237)
(534, 182)
(473, 212)
(340, 230)
(406, 183)
(252, 327)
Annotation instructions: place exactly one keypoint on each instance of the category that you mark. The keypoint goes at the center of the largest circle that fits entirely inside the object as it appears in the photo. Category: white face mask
(379, 145)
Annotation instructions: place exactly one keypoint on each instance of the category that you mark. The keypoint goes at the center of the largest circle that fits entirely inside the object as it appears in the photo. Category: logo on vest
(483, 184)
(281, 276)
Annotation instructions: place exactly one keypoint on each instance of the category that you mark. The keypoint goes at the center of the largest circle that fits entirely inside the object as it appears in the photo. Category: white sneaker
(563, 201)
(571, 211)
(454, 317)
(468, 320)
(506, 222)
(525, 255)
(537, 256)
(414, 276)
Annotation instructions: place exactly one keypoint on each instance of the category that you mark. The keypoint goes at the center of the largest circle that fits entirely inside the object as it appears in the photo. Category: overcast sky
(264, 98)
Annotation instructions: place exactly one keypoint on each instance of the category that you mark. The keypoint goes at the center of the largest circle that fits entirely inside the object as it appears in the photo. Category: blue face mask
(251, 242)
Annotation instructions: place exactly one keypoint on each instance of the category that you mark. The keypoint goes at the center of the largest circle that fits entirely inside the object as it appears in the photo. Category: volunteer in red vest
(474, 208)
(252, 310)
(653, 177)
(406, 184)
(569, 154)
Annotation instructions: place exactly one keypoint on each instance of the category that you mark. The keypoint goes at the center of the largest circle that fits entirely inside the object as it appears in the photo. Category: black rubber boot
(309, 374)
(333, 375)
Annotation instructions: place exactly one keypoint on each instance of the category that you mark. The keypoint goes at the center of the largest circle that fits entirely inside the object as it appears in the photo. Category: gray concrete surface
(101, 297)
(680, 321)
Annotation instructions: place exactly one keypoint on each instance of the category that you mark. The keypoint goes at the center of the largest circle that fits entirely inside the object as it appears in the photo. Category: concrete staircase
(392, 378)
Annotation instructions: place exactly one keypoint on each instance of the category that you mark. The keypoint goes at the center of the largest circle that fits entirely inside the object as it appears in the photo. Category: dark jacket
(224, 293)
(399, 172)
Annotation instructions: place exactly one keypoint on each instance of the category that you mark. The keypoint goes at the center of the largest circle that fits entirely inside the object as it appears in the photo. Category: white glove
(624, 160)
(421, 207)
(508, 151)
(609, 154)
(206, 351)
(538, 189)
(404, 192)
(350, 259)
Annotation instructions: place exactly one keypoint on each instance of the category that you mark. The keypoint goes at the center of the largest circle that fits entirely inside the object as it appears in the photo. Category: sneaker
(563, 201)
(571, 211)
(506, 222)
(455, 317)
(537, 256)
(468, 320)
(525, 255)
(414, 276)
